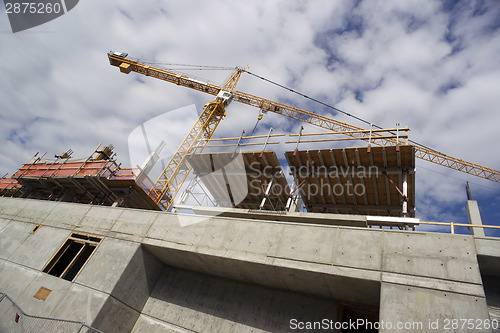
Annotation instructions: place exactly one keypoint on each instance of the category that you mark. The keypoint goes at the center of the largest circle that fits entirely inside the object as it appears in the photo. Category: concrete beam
(298, 217)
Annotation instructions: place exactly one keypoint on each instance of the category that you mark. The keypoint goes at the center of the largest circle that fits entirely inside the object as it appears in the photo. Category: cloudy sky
(431, 65)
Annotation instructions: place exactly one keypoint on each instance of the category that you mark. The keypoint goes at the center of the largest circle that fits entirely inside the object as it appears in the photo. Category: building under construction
(299, 240)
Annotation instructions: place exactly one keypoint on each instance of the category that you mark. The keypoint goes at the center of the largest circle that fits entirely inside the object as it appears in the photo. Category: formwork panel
(240, 180)
(357, 180)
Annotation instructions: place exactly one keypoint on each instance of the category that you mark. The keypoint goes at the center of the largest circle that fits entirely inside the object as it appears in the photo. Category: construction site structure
(98, 180)
(278, 241)
(118, 269)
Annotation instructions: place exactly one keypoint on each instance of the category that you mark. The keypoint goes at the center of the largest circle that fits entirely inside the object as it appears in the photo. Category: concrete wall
(110, 291)
(138, 277)
(202, 303)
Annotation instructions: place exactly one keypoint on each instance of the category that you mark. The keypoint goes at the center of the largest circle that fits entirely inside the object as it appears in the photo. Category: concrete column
(407, 308)
(474, 217)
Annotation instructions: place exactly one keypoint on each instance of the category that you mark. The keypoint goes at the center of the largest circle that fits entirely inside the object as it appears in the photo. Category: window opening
(72, 256)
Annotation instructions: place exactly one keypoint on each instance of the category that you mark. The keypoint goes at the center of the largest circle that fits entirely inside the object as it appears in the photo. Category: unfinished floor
(166, 272)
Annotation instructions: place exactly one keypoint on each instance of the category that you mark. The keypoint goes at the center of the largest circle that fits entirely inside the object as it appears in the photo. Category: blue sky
(431, 65)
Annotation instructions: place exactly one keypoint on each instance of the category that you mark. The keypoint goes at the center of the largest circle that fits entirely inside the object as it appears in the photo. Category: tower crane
(177, 169)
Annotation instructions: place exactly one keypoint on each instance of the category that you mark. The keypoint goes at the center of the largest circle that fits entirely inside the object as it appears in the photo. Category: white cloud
(435, 69)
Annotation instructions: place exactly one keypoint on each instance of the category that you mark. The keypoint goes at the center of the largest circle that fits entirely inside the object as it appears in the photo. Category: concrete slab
(197, 302)
(122, 236)
(308, 243)
(12, 236)
(215, 233)
(343, 263)
(148, 324)
(463, 270)
(187, 258)
(66, 215)
(342, 283)
(168, 227)
(106, 266)
(12, 206)
(100, 218)
(347, 272)
(115, 316)
(134, 222)
(14, 279)
(36, 211)
(359, 248)
(430, 244)
(432, 283)
(3, 223)
(256, 273)
(289, 217)
(80, 304)
(254, 237)
(138, 279)
(308, 282)
(58, 292)
(39, 247)
(488, 246)
(306, 277)
(435, 267)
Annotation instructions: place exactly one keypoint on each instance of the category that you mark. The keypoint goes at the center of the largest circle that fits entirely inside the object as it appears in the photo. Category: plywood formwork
(360, 180)
(9, 187)
(243, 179)
(90, 181)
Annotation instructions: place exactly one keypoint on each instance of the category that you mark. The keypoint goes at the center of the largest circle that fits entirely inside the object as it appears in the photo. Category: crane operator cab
(225, 96)
(118, 54)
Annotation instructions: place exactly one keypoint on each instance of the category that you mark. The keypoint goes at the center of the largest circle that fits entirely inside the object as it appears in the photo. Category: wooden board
(352, 180)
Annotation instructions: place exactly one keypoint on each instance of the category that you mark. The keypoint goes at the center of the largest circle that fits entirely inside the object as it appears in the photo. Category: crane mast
(176, 171)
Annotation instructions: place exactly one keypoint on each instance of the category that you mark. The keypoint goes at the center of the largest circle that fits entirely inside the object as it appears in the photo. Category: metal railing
(14, 319)
(452, 225)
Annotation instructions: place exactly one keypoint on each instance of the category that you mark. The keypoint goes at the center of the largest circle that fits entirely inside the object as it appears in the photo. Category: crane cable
(350, 115)
(333, 108)
(183, 66)
(203, 67)
(259, 118)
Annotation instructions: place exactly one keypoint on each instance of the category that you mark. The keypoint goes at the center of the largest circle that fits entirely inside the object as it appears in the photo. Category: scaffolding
(364, 180)
(98, 179)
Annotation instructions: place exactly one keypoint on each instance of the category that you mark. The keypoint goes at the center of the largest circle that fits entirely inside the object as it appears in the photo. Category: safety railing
(13, 319)
(241, 141)
(452, 225)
